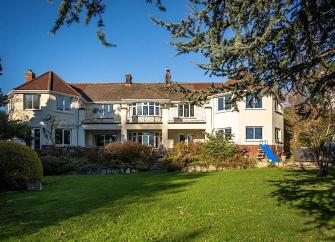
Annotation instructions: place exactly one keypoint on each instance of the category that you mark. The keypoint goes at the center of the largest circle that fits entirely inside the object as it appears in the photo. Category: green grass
(247, 205)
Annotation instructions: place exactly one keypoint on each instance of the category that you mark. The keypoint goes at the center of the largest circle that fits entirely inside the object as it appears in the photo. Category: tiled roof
(48, 81)
(100, 92)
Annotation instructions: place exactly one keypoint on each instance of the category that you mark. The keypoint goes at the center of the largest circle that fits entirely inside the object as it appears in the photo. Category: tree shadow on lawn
(312, 195)
(24, 213)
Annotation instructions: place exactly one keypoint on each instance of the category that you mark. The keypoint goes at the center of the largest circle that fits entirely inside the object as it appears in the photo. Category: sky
(76, 54)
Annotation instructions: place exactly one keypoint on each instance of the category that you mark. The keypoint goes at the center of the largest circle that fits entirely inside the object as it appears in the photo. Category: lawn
(247, 205)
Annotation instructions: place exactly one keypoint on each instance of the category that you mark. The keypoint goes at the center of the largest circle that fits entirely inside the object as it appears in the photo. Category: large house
(95, 114)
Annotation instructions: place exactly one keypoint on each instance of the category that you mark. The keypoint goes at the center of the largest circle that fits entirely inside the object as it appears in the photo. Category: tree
(273, 46)
(69, 12)
(49, 127)
(316, 132)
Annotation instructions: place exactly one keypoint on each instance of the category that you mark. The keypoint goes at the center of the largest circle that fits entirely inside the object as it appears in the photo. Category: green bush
(217, 148)
(19, 165)
(238, 161)
(53, 165)
(131, 154)
(183, 155)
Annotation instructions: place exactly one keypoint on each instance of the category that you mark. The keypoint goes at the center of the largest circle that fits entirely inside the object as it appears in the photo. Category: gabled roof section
(49, 81)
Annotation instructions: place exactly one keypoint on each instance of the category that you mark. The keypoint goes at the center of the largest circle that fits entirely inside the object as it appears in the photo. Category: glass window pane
(227, 102)
(258, 101)
(58, 136)
(67, 104)
(37, 138)
(186, 110)
(139, 110)
(258, 133)
(67, 137)
(220, 104)
(28, 101)
(145, 110)
(180, 111)
(134, 110)
(192, 111)
(151, 139)
(182, 138)
(36, 101)
(249, 133)
(249, 101)
(157, 110)
(59, 103)
(100, 140)
(151, 110)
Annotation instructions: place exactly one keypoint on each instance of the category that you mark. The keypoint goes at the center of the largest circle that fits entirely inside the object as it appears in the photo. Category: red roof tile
(48, 81)
(99, 92)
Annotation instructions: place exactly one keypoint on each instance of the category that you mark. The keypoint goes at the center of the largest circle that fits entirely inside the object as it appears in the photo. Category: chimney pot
(29, 75)
(129, 79)
(167, 76)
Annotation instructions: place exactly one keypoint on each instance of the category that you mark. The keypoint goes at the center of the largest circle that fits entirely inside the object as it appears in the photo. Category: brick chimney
(29, 75)
(167, 76)
(129, 79)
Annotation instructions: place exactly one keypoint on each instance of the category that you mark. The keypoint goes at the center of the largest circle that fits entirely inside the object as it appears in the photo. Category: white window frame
(62, 137)
(254, 133)
(106, 111)
(254, 101)
(226, 104)
(187, 110)
(278, 136)
(145, 105)
(223, 131)
(33, 98)
(139, 137)
(63, 100)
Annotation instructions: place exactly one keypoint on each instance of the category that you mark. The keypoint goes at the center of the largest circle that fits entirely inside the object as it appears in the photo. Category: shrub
(238, 161)
(131, 154)
(217, 148)
(19, 165)
(183, 155)
(53, 165)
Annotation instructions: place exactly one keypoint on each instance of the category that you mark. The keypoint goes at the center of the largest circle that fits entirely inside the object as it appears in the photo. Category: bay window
(186, 110)
(146, 109)
(31, 101)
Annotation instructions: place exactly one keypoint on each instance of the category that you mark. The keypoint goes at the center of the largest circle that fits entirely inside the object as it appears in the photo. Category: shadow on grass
(24, 213)
(310, 194)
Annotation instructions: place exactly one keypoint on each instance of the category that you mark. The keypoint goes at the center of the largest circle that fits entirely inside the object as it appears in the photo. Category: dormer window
(31, 101)
(146, 109)
(63, 103)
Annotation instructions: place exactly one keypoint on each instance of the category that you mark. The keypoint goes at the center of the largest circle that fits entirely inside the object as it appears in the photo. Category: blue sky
(76, 54)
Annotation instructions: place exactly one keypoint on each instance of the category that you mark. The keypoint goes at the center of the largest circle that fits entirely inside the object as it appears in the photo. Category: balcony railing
(144, 119)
